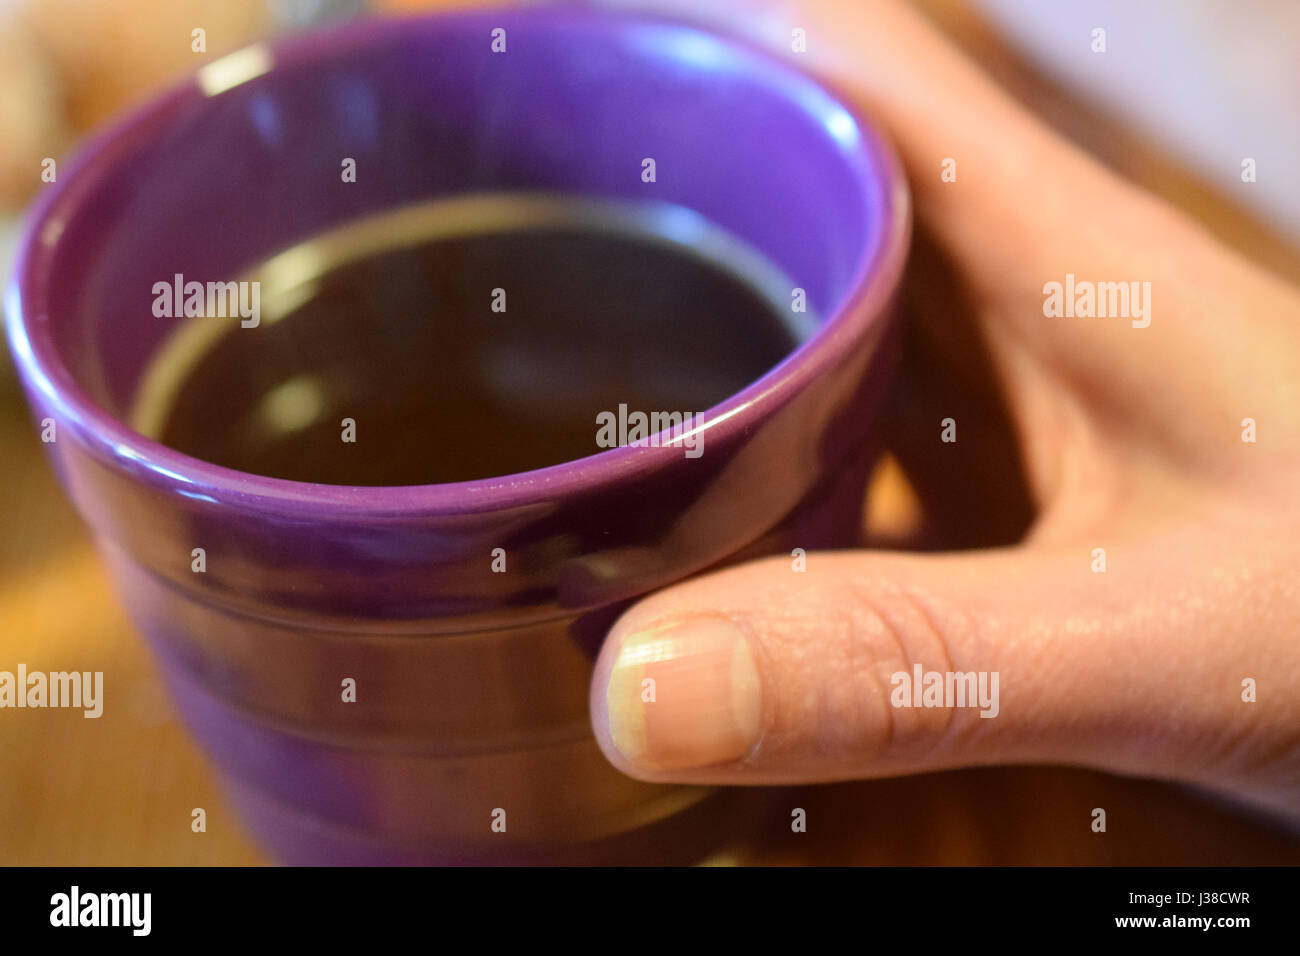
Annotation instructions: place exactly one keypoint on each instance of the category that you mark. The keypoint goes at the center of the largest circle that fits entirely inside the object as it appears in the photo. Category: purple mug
(471, 687)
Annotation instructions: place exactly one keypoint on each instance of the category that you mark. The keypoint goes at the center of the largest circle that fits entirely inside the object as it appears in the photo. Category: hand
(1076, 433)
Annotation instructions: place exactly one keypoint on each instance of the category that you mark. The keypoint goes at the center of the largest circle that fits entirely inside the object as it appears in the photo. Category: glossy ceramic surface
(471, 685)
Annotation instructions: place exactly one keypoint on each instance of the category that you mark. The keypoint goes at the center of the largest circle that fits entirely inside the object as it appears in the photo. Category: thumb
(761, 674)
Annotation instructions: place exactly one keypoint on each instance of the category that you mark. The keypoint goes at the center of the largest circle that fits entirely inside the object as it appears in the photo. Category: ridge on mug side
(471, 687)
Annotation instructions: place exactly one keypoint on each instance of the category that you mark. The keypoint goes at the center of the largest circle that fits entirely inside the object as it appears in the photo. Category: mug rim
(876, 275)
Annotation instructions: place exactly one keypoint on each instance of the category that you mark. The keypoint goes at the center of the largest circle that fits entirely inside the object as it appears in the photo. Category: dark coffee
(466, 341)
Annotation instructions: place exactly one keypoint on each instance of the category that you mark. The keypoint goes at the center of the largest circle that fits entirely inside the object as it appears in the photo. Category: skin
(1129, 439)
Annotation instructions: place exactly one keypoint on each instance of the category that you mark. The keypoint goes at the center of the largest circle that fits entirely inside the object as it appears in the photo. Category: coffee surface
(468, 356)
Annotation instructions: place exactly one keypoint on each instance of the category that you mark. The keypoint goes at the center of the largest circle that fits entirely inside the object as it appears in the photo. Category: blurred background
(1186, 90)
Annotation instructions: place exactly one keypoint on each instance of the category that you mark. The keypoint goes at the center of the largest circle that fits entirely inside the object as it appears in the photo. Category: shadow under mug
(471, 686)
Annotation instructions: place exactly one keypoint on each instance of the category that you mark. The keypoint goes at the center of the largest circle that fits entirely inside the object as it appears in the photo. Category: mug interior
(246, 160)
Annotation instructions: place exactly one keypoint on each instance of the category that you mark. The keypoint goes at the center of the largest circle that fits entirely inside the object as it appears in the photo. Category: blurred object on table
(67, 66)
(1212, 83)
(1121, 122)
